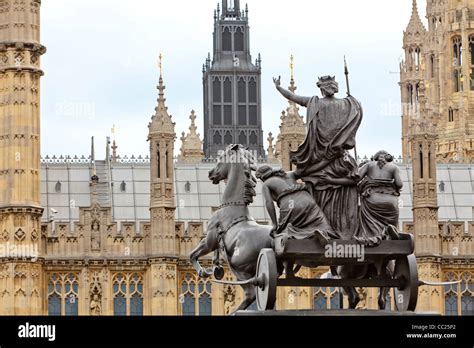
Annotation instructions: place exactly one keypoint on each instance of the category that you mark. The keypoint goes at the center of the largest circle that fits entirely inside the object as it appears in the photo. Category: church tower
(292, 128)
(443, 57)
(21, 292)
(411, 75)
(232, 85)
(162, 250)
(423, 137)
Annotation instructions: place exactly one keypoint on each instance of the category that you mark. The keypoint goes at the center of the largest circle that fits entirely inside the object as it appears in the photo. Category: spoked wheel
(267, 276)
(406, 296)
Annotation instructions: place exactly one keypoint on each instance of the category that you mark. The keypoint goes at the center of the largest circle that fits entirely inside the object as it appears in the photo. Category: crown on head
(327, 78)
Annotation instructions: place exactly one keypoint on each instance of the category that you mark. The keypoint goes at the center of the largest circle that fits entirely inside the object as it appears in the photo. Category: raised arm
(300, 100)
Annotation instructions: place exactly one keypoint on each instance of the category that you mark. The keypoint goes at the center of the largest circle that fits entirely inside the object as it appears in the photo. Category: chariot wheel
(267, 276)
(406, 296)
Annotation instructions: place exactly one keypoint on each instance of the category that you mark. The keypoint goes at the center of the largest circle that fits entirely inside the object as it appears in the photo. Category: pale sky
(101, 64)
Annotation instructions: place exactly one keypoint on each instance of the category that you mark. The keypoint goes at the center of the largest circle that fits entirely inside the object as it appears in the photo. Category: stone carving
(96, 295)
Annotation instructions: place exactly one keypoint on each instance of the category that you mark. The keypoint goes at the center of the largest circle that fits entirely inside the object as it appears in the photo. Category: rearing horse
(231, 227)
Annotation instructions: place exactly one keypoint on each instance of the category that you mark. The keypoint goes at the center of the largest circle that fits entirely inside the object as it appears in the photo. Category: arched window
(319, 299)
(167, 173)
(417, 93)
(128, 294)
(217, 139)
(450, 300)
(432, 65)
(123, 187)
(120, 292)
(459, 298)
(216, 87)
(457, 64)
(410, 93)
(253, 139)
(242, 138)
(335, 298)
(226, 40)
(252, 91)
(228, 138)
(450, 115)
(457, 51)
(63, 294)
(57, 187)
(471, 51)
(239, 40)
(417, 58)
(326, 298)
(227, 91)
(421, 162)
(158, 159)
(196, 296)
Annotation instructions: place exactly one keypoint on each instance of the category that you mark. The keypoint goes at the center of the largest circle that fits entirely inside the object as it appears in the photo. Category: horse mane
(250, 166)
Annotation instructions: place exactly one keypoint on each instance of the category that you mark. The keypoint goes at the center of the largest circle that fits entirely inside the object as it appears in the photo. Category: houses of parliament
(89, 236)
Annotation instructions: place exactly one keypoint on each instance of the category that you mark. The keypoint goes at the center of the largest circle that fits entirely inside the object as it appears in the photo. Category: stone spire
(292, 127)
(162, 122)
(415, 26)
(191, 144)
(162, 206)
(271, 149)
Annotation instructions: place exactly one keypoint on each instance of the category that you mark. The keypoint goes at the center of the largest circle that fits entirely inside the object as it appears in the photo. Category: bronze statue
(323, 160)
(300, 217)
(379, 188)
(231, 228)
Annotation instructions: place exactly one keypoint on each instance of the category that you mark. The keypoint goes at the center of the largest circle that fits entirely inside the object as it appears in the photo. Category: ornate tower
(164, 256)
(411, 75)
(444, 55)
(423, 136)
(232, 85)
(191, 144)
(292, 128)
(20, 207)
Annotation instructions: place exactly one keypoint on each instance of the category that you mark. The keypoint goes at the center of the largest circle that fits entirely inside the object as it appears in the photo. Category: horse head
(236, 164)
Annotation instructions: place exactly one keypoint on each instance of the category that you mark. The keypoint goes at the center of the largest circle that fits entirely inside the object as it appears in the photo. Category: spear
(346, 72)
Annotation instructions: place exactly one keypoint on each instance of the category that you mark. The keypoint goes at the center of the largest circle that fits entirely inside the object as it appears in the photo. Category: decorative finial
(160, 64)
(292, 87)
(114, 146)
(292, 65)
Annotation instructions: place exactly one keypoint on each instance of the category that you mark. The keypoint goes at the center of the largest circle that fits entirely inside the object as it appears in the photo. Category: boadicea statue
(320, 222)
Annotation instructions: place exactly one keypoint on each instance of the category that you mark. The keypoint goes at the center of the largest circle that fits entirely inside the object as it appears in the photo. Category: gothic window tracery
(326, 298)
(457, 64)
(459, 298)
(196, 296)
(128, 294)
(63, 294)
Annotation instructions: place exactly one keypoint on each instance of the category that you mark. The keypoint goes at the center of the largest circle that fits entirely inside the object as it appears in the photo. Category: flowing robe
(332, 129)
(378, 210)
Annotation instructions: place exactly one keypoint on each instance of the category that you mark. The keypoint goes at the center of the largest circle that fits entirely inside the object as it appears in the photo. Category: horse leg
(382, 301)
(352, 296)
(249, 297)
(206, 246)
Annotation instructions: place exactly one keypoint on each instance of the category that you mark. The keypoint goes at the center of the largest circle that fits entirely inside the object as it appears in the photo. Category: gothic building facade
(232, 85)
(113, 237)
(441, 56)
